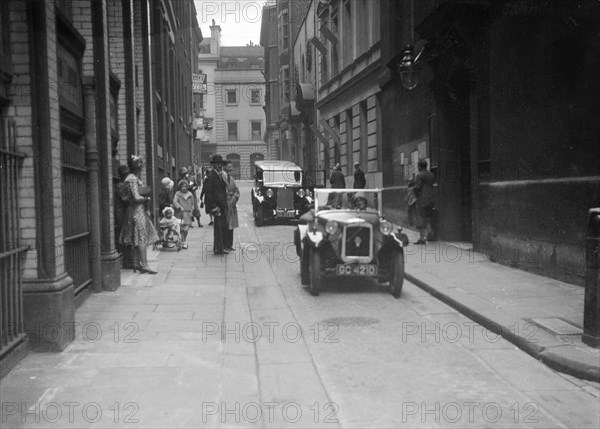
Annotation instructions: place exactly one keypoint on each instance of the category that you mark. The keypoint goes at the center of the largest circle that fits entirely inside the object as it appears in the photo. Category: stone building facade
(233, 103)
(505, 110)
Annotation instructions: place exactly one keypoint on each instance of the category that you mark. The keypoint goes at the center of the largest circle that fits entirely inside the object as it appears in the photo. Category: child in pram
(170, 229)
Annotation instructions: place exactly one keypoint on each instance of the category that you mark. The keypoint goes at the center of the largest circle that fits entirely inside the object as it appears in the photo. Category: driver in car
(360, 201)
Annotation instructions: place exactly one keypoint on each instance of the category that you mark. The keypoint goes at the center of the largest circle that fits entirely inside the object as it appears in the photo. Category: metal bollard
(591, 309)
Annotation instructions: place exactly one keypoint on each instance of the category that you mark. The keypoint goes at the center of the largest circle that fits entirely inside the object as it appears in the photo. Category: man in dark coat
(425, 200)
(215, 200)
(337, 180)
(359, 177)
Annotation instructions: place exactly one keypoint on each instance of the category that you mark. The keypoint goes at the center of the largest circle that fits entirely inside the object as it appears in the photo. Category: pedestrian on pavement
(120, 203)
(233, 196)
(183, 202)
(337, 180)
(425, 201)
(202, 193)
(215, 200)
(359, 177)
(165, 196)
(137, 230)
(411, 200)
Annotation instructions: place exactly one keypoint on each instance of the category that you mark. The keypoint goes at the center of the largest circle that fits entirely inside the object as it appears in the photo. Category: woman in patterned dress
(137, 230)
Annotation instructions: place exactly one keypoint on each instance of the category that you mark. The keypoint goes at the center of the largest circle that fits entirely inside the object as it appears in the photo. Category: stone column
(111, 274)
(48, 299)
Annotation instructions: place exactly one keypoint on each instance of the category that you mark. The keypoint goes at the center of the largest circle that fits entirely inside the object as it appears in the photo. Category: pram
(170, 237)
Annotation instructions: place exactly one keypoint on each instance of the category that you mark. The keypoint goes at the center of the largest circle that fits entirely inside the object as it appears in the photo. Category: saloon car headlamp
(300, 193)
(331, 227)
(270, 193)
(385, 227)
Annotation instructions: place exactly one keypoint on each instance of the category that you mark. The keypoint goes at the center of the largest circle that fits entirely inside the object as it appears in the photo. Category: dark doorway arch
(235, 163)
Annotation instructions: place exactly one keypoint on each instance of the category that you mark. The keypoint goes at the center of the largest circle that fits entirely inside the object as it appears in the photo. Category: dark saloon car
(279, 192)
(347, 236)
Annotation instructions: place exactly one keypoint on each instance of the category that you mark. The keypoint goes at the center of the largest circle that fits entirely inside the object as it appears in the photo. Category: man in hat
(337, 179)
(359, 177)
(215, 200)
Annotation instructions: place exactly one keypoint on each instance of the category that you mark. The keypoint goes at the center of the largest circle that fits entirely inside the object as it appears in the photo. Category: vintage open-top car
(346, 235)
(280, 191)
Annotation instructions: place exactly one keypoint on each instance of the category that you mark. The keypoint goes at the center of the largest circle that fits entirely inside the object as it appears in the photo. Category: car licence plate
(356, 270)
(282, 213)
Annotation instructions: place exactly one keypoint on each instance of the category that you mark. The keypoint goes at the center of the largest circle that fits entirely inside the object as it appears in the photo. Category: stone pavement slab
(508, 302)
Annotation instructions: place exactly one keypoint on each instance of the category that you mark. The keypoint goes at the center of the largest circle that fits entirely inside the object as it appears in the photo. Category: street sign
(199, 83)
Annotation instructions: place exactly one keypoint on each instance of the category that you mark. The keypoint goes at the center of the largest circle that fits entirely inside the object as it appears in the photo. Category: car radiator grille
(358, 241)
(285, 198)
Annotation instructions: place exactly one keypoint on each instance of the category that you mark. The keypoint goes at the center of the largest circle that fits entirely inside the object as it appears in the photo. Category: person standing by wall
(120, 203)
(359, 177)
(233, 195)
(425, 202)
(137, 230)
(215, 200)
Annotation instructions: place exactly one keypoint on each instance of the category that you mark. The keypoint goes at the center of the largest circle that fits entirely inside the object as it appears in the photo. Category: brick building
(78, 94)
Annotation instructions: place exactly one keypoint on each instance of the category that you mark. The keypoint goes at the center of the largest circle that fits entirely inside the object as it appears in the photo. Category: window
(285, 30)
(364, 137)
(231, 96)
(255, 96)
(232, 131)
(256, 130)
(348, 34)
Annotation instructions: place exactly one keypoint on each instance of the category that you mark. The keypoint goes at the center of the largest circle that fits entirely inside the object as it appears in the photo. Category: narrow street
(238, 342)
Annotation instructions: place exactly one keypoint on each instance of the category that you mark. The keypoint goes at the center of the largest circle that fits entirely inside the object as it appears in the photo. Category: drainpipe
(92, 162)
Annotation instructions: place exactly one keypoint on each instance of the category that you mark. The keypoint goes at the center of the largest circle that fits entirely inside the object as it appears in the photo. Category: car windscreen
(293, 177)
(334, 199)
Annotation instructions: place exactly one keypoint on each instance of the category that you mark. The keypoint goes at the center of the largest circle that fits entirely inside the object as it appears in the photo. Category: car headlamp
(270, 193)
(331, 227)
(385, 227)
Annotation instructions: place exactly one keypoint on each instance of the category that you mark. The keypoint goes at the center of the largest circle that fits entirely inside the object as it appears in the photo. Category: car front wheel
(315, 271)
(397, 273)
(259, 217)
(304, 266)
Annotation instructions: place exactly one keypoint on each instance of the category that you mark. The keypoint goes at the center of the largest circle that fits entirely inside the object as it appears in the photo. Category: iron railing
(12, 329)
(77, 246)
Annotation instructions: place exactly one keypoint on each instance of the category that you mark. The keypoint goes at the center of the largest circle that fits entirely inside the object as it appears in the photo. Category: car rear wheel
(304, 266)
(397, 273)
(315, 271)
(259, 217)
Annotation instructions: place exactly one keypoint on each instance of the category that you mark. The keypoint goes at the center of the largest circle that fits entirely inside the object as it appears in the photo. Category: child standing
(183, 201)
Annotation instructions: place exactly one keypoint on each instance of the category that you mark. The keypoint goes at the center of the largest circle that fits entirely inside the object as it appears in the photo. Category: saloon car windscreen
(282, 176)
(346, 200)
